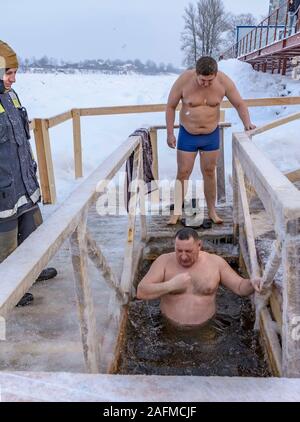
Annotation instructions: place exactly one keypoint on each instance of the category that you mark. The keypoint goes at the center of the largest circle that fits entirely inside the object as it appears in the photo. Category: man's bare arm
(153, 285)
(239, 285)
(238, 103)
(173, 101)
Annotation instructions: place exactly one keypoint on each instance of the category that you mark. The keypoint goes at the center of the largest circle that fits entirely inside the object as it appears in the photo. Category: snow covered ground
(46, 95)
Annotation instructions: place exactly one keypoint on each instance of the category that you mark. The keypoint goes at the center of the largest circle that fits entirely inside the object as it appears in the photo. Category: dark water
(227, 346)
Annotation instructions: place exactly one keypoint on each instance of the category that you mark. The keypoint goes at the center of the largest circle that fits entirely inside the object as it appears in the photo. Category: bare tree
(204, 27)
(189, 36)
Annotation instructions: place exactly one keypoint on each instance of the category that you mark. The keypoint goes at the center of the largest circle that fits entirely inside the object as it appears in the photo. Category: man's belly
(188, 309)
(199, 120)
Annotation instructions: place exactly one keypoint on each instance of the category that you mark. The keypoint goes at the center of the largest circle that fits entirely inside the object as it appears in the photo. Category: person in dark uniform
(19, 188)
(292, 15)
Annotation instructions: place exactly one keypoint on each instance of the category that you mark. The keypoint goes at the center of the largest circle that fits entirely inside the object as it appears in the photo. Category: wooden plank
(272, 265)
(254, 267)
(45, 165)
(127, 274)
(291, 306)
(152, 108)
(278, 195)
(20, 270)
(60, 118)
(128, 109)
(221, 190)
(235, 204)
(142, 197)
(293, 176)
(77, 143)
(271, 343)
(100, 262)
(87, 319)
(153, 138)
(265, 102)
(274, 124)
(222, 116)
(276, 307)
(113, 366)
(244, 249)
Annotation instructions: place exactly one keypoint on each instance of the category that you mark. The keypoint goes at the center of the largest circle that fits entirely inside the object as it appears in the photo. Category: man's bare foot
(215, 218)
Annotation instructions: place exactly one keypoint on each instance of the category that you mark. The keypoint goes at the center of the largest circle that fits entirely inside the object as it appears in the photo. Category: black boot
(46, 274)
(26, 300)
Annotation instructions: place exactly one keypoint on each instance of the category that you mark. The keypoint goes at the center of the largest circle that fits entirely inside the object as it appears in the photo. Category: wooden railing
(20, 270)
(281, 201)
(41, 128)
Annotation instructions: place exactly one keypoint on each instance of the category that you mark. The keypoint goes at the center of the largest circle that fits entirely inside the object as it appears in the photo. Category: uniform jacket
(18, 181)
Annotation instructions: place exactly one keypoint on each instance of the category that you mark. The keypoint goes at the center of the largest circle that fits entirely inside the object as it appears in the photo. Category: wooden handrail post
(221, 189)
(77, 143)
(291, 297)
(235, 202)
(45, 164)
(142, 195)
(90, 343)
(126, 277)
(153, 138)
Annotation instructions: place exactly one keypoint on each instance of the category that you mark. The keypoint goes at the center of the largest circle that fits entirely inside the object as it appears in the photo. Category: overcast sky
(124, 29)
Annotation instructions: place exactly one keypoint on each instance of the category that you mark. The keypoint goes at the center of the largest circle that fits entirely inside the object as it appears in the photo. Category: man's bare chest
(211, 96)
(204, 281)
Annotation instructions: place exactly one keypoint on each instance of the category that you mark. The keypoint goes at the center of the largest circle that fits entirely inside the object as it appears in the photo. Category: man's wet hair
(206, 66)
(186, 234)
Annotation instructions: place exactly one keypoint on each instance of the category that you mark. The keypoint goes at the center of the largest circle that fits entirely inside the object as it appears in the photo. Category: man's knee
(183, 174)
(209, 171)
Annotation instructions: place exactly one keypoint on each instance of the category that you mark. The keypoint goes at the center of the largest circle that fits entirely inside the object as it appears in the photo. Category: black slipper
(207, 224)
(194, 205)
(27, 299)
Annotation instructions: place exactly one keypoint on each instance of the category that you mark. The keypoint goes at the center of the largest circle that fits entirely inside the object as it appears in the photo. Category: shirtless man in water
(186, 282)
(201, 92)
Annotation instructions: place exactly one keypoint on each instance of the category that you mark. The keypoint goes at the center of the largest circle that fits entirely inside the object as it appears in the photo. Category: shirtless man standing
(187, 281)
(201, 92)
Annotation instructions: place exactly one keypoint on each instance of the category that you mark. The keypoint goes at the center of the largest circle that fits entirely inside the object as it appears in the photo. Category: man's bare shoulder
(214, 259)
(164, 259)
(186, 76)
(223, 78)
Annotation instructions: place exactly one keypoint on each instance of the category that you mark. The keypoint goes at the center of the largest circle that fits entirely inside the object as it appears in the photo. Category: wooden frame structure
(41, 128)
(19, 272)
(278, 195)
(281, 200)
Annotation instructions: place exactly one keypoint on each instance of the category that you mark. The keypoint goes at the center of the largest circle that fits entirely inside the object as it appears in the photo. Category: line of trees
(209, 29)
(50, 64)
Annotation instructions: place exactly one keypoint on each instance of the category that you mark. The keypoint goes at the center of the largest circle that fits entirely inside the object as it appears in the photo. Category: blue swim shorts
(194, 143)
